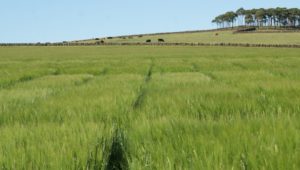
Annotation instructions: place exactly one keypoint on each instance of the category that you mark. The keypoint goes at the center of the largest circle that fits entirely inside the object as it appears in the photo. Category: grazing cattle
(99, 42)
(161, 40)
(148, 41)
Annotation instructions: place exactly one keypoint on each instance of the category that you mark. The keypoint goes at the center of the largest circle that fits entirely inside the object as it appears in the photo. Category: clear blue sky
(58, 20)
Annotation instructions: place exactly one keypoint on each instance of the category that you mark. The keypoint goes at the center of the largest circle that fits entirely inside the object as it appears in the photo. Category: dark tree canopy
(260, 17)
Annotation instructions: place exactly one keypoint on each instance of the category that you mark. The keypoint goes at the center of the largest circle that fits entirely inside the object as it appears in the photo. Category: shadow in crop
(139, 100)
(117, 159)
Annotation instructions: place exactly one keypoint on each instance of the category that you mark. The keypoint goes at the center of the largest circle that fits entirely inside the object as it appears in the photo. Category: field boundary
(266, 31)
(159, 44)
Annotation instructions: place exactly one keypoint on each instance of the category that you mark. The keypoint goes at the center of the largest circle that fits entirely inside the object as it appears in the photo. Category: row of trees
(259, 17)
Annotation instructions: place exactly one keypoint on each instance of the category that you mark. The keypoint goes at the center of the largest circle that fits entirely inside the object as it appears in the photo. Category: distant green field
(222, 37)
(151, 107)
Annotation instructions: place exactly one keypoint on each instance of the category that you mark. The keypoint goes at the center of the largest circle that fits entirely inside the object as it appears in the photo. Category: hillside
(264, 36)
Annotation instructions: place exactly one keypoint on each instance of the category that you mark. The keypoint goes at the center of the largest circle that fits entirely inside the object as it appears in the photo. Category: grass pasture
(227, 36)
(140, 107)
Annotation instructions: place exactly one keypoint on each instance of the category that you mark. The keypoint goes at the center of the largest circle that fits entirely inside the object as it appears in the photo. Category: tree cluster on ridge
(271, 17)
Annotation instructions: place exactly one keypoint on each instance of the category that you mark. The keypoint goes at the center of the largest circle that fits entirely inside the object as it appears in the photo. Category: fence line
(154, 44)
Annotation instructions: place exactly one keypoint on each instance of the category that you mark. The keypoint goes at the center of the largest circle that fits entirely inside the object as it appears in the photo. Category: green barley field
(140, 107)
